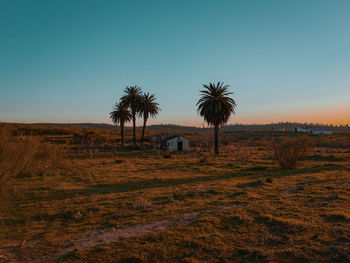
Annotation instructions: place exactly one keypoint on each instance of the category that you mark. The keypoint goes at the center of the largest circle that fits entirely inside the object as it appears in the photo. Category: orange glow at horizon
(339, 115)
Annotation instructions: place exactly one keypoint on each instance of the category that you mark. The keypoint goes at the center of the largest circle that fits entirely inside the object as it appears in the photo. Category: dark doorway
(179, 146)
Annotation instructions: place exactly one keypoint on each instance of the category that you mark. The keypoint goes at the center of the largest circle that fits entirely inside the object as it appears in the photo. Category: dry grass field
(137, 206)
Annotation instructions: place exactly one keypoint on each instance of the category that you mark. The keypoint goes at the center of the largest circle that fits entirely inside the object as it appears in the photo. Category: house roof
(174, 136)
(167, 137)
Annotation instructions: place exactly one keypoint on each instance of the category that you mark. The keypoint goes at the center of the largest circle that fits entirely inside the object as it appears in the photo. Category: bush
(142, 205)
(25, 155)
(166, 155)
(117, 160)
(289, 151)
(204, 158)
(203, 140)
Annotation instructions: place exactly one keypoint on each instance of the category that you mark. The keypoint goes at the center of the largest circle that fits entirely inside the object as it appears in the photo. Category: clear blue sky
(68, 61)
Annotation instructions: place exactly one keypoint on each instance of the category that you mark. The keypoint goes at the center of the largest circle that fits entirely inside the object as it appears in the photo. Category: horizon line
(182, 125)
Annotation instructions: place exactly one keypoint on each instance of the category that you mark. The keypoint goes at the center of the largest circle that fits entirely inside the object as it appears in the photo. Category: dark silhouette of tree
(120, 114)
(132, 99)
(216, 106)
(149, 108)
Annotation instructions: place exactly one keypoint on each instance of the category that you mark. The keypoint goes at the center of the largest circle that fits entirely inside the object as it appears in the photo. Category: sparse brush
(167, 155)
(142, 204)
(25, 155)
(289, 151)
(268, 180)
(204, 159)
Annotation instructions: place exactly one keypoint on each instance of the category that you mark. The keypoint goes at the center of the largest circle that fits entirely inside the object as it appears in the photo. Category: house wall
(173, 143)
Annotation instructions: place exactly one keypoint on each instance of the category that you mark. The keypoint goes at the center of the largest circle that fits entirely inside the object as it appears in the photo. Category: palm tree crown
(149, 106)
(132, 98)
(215, 105)
(120, 113)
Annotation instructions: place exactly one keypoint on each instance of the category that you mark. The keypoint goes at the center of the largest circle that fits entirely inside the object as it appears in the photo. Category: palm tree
(132, 99)
(120, 114)
(216, 106)
(149, 108)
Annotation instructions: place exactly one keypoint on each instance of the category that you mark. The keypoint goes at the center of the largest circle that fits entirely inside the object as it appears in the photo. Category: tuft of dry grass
(167, 155)
(204, 159)
(142, 204)
(118, 160)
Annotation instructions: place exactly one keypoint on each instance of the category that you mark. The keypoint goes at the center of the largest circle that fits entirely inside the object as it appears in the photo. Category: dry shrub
(143, 204)
(203, 140)
(204, 159)
(25, 155)
(118, 160)
(289, 151)
(167, 155)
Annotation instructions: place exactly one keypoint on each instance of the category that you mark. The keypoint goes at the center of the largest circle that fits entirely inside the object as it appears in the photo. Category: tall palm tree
(149, 108)
(132, 99)
(216, 106)
(120, 114)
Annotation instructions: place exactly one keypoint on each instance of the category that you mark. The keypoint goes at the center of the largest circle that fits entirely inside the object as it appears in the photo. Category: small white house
(177, 143)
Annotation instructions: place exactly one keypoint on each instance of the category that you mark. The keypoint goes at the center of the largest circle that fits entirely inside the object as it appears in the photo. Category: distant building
(319, 132)
(300, 130)
(172, 143)
(314, 131)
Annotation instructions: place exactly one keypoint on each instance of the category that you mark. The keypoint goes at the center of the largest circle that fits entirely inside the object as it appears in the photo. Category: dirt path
(95, 238)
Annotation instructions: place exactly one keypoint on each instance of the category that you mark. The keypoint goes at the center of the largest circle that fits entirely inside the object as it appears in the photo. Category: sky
(69, 61)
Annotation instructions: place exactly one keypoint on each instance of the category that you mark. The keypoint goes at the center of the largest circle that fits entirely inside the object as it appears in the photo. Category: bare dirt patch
(97, 237)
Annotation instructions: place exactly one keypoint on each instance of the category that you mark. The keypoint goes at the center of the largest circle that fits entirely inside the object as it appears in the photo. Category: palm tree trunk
(143, 130)
(134, 128)
(122, 134)
(216, 134)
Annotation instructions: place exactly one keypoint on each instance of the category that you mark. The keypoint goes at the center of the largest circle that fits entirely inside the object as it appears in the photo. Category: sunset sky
(69, 61)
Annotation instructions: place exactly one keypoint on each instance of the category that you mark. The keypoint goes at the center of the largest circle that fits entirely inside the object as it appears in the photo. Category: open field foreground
(137, 206)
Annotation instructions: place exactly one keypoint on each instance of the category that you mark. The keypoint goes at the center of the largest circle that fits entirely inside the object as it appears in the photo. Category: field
(136, 205)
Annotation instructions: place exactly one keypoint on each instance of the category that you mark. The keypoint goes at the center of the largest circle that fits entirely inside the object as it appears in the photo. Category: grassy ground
(249, 209)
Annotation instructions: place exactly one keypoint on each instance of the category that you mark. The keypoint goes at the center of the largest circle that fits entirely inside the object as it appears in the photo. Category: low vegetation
(24, 156)
(290, 151)
(114, 204)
